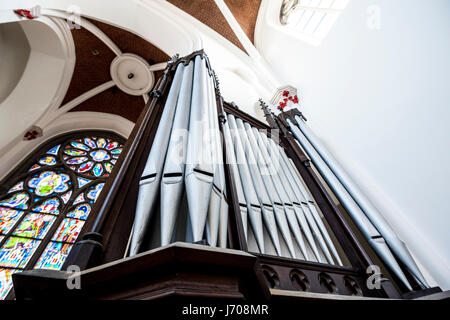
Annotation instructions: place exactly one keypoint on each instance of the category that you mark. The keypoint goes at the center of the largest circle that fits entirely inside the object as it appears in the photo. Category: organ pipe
(395, 243)
(199, 163)
(372, 235)
(151, 176)
(172, 184)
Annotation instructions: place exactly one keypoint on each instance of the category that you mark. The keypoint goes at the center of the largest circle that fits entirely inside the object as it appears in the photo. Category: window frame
(22, 172)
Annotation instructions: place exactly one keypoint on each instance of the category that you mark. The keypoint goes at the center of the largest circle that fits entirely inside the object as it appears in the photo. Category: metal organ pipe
(253, 196)
(180, 163)
(172, 183)
(284, 213)
(282, 184)
(223, 214)
(223, 218)
(309, 207)
(372, 235)
(266, 204)
(199, 165)
(151, 176)
(317, 226)
(216, 200)
(284, 198)
(264, 194)
(257, 165)
(397, 245)
(231, 159)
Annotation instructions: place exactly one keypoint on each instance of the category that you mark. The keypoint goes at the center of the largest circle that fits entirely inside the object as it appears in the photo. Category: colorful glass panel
(79, 145)
(65, 197)
(49, 182)
(90, 143)
(16, 187)
(18, 200)
(82, 182)
(47, 161)
(100, 148)
(34, 225)
(80, 212)
(68, 231)
(79, 198)
(77, 160)
(16, 252)
(54, 150)
(98, 170)
(5, 281)
(85, 167)
(48, 193)
(100, 155)
(95, 192)
(48, 206)
(54, 256)
(8, 218)
(108, 166)
(101, 143)
(116, 151)
(112, 145)
(34, 167)
(74, 152)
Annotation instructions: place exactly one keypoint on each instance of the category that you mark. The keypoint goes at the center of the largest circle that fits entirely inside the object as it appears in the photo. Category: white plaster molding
(68, 122)
(27, 97)
(73, 103)
(173, 31)
(158, 66)
(247, 44)
(131, 74)
(84, 24)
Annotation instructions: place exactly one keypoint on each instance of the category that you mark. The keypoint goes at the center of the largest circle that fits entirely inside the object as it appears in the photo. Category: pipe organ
(207, 201)
(184, 163)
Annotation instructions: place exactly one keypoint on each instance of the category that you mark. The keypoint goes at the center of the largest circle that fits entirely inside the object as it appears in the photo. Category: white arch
(173, 31)
(71, 121)
(44, 81)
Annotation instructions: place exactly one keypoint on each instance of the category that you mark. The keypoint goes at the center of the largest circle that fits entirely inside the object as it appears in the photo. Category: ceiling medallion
(131, 74)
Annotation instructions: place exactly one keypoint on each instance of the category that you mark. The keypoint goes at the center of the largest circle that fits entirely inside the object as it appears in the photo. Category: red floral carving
(294, 99)
(24, 13)
(32, 133)
(285, 97)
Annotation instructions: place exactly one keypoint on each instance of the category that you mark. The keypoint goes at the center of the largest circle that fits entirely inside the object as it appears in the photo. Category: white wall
(380, 100)
(43, 76)
(14, 52)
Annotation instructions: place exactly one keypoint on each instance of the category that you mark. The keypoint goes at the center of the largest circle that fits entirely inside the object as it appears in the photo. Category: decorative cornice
(216, 83)
(270, 117)
(283, 116)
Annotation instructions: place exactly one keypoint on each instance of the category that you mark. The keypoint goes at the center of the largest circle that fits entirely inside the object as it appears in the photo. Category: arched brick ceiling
(93, 59)
(246, 13)
(208, 12)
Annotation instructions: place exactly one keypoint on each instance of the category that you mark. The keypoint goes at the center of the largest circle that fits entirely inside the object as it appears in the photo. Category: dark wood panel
(178, 269)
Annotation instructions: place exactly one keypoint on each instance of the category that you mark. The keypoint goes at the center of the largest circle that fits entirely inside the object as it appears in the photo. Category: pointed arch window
(49, 197)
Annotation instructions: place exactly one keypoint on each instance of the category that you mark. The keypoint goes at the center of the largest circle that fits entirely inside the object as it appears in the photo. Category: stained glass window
(49, 199)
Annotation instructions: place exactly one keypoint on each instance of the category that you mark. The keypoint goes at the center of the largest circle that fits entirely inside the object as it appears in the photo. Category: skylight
(311, 20)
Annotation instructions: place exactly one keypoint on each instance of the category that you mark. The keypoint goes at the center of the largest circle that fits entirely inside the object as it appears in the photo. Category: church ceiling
(92, 68)
(93, 57)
